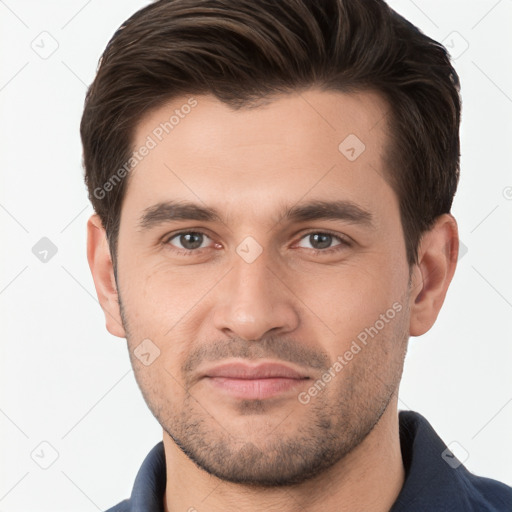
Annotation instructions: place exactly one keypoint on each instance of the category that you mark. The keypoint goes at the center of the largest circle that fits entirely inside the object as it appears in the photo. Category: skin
(340, 451)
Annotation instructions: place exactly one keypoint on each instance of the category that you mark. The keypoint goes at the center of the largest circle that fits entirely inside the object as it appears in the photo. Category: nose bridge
(253, 281)
(253, 286)
(254, 300)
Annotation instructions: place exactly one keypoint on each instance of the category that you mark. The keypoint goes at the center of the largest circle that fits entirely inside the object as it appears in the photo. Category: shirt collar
(149, 487)
(434, 479)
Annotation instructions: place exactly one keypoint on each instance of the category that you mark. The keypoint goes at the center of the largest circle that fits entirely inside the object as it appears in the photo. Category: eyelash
(184, 252)
(344, 242)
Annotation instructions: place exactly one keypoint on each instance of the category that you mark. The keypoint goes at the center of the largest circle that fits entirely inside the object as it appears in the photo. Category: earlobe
(100, 263)
(437, 260)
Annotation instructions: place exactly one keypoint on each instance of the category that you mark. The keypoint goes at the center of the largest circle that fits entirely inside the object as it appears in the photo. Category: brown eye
(189, 241)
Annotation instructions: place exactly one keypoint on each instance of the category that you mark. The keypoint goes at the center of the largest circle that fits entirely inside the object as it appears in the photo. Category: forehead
(313, 143)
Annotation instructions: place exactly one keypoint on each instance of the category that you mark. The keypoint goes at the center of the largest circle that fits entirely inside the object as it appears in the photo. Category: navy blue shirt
(434, 480)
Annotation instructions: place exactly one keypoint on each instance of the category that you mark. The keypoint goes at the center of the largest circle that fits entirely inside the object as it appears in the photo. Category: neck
(368, 479)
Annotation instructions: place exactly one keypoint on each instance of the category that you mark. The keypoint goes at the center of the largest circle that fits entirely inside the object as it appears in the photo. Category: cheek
(161, 293)
(353, 297)
(169, 307)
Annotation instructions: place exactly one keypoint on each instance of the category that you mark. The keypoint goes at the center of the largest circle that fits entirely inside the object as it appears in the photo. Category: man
(272, 182)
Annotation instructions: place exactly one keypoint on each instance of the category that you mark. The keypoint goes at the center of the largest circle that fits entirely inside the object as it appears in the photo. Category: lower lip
(255, 389)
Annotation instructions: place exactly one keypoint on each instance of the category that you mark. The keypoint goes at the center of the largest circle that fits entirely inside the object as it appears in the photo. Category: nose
(255, 300)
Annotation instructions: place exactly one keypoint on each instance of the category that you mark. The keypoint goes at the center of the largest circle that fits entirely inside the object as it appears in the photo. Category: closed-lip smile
(260, 380)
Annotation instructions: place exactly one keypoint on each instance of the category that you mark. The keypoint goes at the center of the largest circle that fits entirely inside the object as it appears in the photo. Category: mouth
(254, 381)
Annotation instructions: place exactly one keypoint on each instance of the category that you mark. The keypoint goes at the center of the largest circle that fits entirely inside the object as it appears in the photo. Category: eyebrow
(169, 211)
(176, 210)
(328, 210)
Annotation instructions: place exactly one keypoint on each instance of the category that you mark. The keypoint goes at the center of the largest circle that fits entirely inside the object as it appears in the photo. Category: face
(263, 280)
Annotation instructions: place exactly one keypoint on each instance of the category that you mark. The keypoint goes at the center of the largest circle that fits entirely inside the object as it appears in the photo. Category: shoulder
(123, 506)
(486, 494)
(436, 480)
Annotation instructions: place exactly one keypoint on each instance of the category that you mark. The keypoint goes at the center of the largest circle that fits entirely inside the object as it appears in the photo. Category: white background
(67, 382)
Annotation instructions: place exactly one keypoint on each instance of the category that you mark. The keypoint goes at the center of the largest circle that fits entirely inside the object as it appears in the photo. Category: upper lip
(267, 370)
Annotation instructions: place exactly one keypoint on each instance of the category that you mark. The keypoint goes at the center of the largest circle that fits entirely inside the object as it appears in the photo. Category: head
(272, 181)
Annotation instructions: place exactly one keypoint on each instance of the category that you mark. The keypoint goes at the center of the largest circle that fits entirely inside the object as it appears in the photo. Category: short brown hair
(242, 51)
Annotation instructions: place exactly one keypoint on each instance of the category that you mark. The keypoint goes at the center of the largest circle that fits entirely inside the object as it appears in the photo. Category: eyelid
(167, 238)
(344, 239)
(340, 236)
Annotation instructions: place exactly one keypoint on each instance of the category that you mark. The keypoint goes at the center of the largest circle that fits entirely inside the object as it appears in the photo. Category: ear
(431, 276)
(100, 263)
